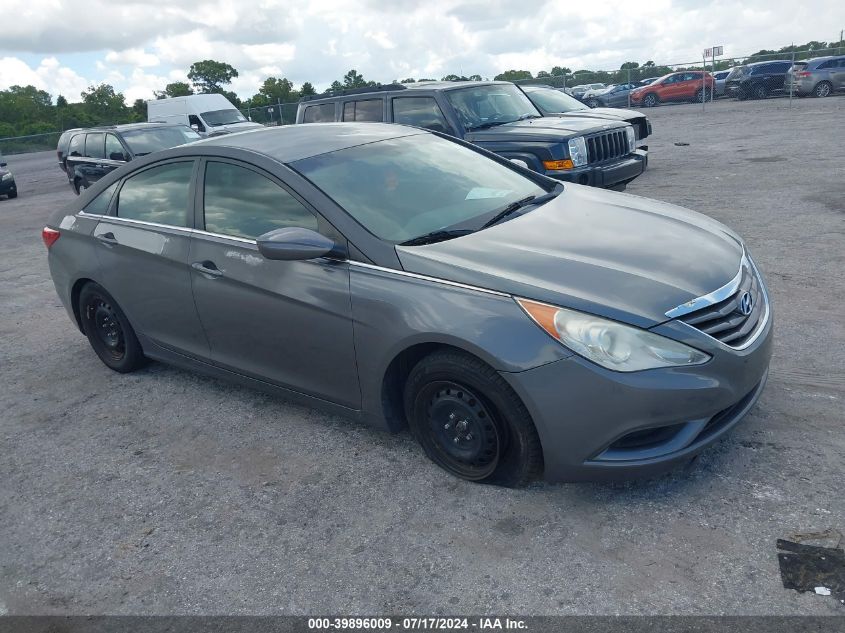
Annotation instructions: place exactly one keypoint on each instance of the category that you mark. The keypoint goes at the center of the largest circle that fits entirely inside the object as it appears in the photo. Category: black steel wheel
(470, 422)
(108, 330)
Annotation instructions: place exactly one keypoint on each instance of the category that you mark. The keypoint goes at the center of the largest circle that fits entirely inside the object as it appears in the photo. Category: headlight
(7, 176)
(578, 151)
(632, 138)
(610, 344)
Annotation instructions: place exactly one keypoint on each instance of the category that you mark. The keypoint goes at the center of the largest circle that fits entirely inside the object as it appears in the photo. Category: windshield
(554, 101)
(406, 187)
(153, 140)
(483, 106)
(223, 117)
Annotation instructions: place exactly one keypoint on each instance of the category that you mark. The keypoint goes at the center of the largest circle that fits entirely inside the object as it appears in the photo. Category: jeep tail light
(49, 236)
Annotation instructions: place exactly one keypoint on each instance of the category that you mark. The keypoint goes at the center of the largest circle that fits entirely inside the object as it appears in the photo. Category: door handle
(108, 239)
(207, 268)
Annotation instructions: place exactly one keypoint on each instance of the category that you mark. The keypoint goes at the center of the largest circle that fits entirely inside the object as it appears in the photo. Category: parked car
(207, 114)
(758, 80)
(820, 77)
(609, 97)
(578, 91)
(646, 82)
(551, 102)
(8, 187)
(94, 152)
(693, 85)
(495, 115)
(61, 147)
(405, 278)
(719, 82)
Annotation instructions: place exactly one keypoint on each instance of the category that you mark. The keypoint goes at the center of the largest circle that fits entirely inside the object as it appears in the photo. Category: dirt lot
(167, 492)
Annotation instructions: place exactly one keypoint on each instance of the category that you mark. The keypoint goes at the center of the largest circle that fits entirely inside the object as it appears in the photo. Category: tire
(822, 89)
(108, 330)
(741, 94)
(77, 186)
(12, 195)
(470, 422)
(651, 100)
(592, 103)
(700, 95)
(759, 91)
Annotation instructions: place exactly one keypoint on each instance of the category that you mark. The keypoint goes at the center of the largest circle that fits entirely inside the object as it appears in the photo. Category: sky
(139, 46)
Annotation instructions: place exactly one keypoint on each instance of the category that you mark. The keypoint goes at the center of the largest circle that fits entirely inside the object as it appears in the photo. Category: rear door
(284, 322)
(143, 254)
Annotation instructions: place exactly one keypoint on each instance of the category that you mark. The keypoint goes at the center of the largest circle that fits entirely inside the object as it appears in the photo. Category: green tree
(353, 79)
(453, 78)
(276, 90)
(513, 75)
(103, 105)
(409, 80)
(559, 71)
(210, 75)
(307, 90)
(175, 89)
(475, 77)
(139, 110)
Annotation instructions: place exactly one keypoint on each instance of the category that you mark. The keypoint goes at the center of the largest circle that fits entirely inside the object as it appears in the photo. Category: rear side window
(366, 110)
(243, 203)
(831, 63)
(94, 145)
(100, 204)
(319, 113)
(77, 145)
(157, 195)
(419, 111)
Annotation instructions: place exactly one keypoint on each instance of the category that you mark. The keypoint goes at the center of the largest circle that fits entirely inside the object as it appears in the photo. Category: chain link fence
(29, 143)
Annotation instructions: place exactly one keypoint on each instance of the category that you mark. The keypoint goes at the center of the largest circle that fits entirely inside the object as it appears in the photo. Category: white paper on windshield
(480, 193)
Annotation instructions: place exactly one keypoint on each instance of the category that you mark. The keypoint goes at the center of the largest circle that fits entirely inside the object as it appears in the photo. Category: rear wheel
(823, 89)
(650, 100)
(108, 330)
(592, 103)
(759, 91)
(470, 422)
(12, 194)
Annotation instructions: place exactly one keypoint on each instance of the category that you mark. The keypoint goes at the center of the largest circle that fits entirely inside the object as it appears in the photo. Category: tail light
(803, 73)
(49, 236)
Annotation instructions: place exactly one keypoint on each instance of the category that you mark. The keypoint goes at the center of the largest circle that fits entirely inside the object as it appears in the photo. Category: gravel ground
(165, 492)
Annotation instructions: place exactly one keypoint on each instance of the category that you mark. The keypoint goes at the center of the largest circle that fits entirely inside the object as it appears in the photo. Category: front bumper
(7, 187)
(610, 175)
(586, 415)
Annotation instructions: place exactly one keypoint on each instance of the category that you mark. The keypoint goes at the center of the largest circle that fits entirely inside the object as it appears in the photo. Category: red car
(681, 86)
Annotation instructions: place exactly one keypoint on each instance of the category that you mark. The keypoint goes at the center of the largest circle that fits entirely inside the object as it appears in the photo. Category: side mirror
(294, 243)
(195, 127)
(118, 156)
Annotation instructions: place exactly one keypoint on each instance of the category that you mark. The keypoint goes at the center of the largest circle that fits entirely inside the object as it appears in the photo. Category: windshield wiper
(484, 126)
(528, 115)
(441, 235)
(513, 207)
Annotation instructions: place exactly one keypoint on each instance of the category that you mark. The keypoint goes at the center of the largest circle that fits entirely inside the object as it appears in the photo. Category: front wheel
(592, 103)
(760, 92)
(108, 330)
(650, 100)
(470, 422)
(702, 95)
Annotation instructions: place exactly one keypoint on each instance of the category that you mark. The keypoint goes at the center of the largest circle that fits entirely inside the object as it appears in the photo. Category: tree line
(26, 110)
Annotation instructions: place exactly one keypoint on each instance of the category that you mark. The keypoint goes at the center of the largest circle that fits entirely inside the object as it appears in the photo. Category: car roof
(129, 127)
(771, 61)
(820, 59)
(393, 89)
(289, 143)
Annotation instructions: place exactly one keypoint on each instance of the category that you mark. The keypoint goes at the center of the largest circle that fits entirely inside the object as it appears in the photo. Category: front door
(285, 322)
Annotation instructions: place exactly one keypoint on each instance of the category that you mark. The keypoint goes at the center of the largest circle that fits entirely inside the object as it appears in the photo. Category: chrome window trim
(720, 294)
(156, 225)
(446, 282)
(225, 237)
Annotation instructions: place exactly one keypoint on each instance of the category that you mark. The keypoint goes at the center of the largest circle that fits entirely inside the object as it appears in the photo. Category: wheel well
(393, 383)
(74, 300)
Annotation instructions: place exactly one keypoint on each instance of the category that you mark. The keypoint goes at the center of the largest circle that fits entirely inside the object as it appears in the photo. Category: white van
(208, 114)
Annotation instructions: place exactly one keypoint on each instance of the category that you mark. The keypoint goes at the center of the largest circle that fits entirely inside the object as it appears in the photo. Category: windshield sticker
(482, 193)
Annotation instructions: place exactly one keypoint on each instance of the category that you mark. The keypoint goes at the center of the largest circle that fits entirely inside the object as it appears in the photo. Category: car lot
(167, 492)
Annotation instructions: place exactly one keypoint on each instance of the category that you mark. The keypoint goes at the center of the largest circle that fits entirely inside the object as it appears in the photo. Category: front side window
(77, 145)
(485, 106)
(147, 141)
(114, 150)
(94, 145)
(419, 111)
(406, 187)
(323, 113)
(100, 204)
(159, 195)
(366, 110)
(243, 203)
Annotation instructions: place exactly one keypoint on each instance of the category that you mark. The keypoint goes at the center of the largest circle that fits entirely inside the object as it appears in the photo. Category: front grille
(607, 146)
(724, 320)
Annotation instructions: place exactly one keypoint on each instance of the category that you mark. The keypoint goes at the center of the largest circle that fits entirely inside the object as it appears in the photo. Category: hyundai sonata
(520, 327)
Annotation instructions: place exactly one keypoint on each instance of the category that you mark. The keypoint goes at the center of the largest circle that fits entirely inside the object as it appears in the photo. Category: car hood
(607, 114)
(611, 254)
(543, 128)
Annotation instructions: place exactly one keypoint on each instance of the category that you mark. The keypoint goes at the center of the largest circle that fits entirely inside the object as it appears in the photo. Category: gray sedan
(519, 326)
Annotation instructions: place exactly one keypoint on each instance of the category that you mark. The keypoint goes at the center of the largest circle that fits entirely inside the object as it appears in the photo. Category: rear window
(77, 145)
(323, 113)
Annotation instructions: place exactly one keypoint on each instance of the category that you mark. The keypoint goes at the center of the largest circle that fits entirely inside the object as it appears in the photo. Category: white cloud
(136, 43)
